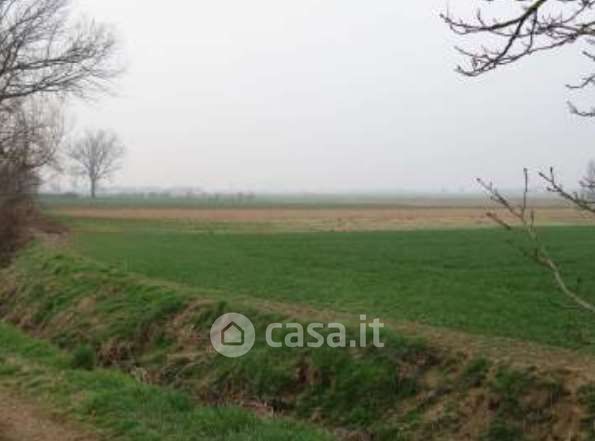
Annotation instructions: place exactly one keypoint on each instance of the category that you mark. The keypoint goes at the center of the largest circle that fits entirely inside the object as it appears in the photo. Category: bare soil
(335, 219)
(23, 421)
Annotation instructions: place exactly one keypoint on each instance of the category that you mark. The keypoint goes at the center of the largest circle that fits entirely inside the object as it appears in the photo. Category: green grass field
(470, 280)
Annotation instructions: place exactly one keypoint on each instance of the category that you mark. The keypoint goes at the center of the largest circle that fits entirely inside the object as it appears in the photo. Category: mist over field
(326, 96)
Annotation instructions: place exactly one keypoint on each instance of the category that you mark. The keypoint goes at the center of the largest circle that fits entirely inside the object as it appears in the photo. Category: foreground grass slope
(117, 407)
(158, 334)
(470, 280)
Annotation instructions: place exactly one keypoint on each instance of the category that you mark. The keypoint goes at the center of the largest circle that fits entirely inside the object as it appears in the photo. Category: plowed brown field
(337, 219)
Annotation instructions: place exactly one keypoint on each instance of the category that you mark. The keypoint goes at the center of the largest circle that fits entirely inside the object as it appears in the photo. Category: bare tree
(29, 139)
(45, 56)
(97, 156)
(40, 52)
(537, 26)
(30, 134)
(45, 53)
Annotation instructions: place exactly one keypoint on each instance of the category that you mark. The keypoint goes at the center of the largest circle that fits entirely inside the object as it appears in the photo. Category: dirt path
(23, 421)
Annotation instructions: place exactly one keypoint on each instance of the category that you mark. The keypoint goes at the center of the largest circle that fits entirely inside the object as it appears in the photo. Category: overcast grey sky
(325, 95)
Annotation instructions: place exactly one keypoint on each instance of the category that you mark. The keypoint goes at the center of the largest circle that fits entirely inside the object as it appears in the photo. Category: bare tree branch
(538, 26)
(575, 198)
(525, 223)
(29, 139)
(41, 53)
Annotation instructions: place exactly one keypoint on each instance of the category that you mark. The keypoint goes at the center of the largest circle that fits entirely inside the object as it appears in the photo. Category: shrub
(13, 217)
(84, 357)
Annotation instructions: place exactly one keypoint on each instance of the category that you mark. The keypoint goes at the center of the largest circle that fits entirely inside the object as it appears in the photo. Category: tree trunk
(93, 188)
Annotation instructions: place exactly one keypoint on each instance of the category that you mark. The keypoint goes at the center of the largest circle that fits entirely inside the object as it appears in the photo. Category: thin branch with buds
(525, 222)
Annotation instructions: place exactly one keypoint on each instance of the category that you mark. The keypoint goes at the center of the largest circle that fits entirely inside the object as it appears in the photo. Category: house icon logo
(232, 335)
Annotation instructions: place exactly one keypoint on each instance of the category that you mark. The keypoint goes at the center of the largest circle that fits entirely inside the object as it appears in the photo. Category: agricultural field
(451, 271)
(306, 214)
(477, 336)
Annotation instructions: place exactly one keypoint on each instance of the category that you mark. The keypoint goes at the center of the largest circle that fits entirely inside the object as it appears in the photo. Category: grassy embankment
(159, 335)
(116, 406)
